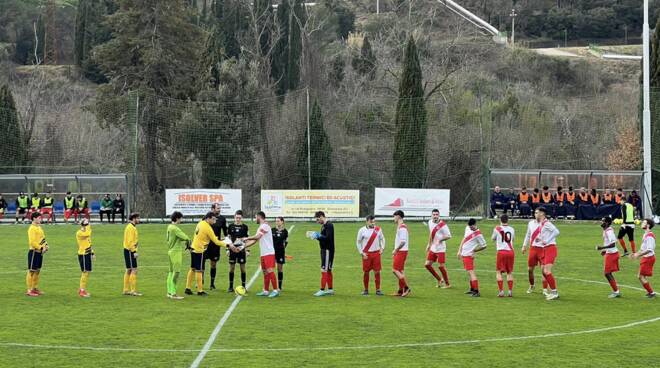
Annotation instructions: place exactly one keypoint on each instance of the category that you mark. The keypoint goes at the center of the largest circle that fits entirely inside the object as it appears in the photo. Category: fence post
(134, 114)
(309, 147)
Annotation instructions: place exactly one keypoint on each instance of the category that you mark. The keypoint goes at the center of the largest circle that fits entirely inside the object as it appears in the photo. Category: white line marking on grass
(221, 323)
(224, 319)
(330, 348)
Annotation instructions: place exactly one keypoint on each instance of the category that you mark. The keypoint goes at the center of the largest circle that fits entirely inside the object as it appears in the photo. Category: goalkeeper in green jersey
(177, 241)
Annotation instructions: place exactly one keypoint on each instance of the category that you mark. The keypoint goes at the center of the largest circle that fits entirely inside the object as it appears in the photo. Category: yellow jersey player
(85, 255)
(203, 236)
(37, 247)
(131, 255)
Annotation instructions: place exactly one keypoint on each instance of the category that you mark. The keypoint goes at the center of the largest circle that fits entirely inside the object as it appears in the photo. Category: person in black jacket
(280, 241)
(212, 252)
(326, 240)
(118, 207)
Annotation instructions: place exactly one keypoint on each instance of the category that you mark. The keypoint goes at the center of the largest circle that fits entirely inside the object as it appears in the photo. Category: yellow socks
(127, 284)
(28, 280)
(133, 280)
(200, 286)
(189, 279)
(83, 280)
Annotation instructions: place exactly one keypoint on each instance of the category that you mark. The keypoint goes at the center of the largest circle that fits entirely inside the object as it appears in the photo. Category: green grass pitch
(431, 328)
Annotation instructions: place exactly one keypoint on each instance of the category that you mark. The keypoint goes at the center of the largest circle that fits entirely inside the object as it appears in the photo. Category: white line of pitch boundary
(331, 348)
(224, 319)
(221, 323)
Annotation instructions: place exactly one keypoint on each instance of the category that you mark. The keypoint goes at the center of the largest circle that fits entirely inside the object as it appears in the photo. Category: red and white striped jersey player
(542, 236)
(504, 236)
(436, 248)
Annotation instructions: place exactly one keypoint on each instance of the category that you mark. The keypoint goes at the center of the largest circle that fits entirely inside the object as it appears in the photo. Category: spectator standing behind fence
(524, 203)
(608, 198)
(106, 207)
(83, 206)
(3, 206)
(497, 201)
(594, 198)
(46, 207)
(118, 207)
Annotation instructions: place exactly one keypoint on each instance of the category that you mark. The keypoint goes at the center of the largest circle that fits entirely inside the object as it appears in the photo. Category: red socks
(402, 283)
(474, 285)
(510, 283)
(329, 279)
(270, 279)
(324, 280)
(432, 271)
(365, 280)
(648, 287)
(551, 282)
(613, 284)
(623, 245)
(273, 281)
(443, 270)
(500, 285)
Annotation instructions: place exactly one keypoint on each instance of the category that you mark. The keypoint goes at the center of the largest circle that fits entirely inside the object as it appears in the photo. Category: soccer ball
(238, 243)
(637, 222)
(618, 221)
(240, 291)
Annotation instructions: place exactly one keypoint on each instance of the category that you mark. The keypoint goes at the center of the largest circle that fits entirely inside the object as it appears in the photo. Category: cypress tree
(321, 151)
(411, 125)
(91, 31)
(12, 151)
(285, 66)
(365, 63)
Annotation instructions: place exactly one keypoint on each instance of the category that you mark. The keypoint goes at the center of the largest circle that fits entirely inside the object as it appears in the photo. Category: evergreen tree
(160, 63)
(411, 124)
(12, 151)
(285, 66)
(365, 63)
(320, 152)
(90, 32)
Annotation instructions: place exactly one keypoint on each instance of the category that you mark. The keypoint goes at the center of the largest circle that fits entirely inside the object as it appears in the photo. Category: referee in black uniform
(237, 230)
(212, 252)
(280, 241)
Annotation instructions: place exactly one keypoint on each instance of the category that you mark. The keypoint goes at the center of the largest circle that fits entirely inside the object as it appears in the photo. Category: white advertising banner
(193, 202)
(304, 203)
(413, 202)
